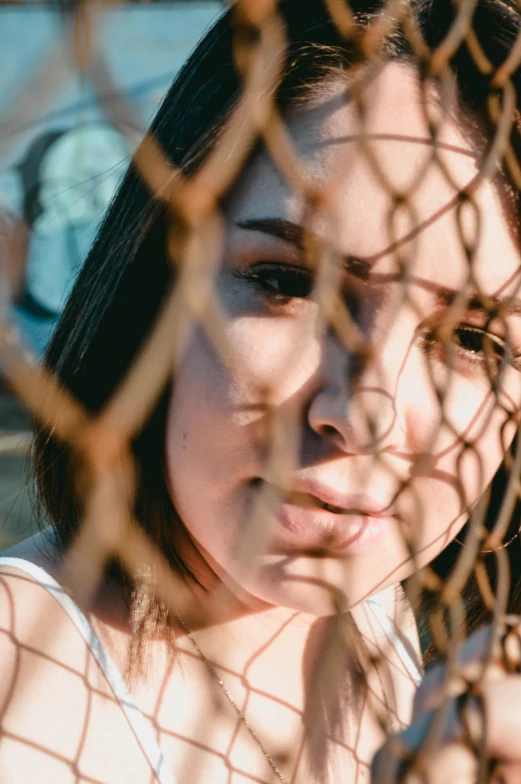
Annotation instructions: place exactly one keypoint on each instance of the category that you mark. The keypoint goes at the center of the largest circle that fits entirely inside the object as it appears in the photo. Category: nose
(355, 404)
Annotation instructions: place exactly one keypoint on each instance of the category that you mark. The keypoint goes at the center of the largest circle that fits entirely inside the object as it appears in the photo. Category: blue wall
(60, 160)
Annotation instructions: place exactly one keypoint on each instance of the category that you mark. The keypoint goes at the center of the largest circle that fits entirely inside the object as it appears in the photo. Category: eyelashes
(474, 345)
(282, 284)
(279, 283)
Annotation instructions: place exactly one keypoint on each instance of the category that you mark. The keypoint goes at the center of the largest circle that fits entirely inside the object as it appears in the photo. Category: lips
(309, 501)
(313, 494)
(321, 516)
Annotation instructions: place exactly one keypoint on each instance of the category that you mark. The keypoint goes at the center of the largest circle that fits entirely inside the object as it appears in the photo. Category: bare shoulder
(28, 610)
(26, 607)
(42, 676)
(59, 719)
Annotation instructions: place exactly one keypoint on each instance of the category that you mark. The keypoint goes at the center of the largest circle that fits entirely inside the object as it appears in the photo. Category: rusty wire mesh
(100, 444)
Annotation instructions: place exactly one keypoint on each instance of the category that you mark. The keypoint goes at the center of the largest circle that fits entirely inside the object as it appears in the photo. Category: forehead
(362, 163)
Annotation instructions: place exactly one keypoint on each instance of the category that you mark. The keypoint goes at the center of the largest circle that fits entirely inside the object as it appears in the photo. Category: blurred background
(64, 144)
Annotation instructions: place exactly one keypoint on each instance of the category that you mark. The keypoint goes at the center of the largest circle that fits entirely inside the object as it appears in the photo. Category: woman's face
(329, 519)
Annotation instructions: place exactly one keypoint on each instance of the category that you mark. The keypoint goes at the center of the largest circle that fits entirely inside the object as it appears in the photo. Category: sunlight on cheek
(473, 440)
(277, 356)
(468, 406)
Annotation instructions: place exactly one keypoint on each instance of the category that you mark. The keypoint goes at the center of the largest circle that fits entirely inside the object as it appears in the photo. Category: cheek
(272, 356)
(479, 427)
(467, 412)
(217, 424)
(487, 446)
(265, 357)
(455, 448)
(204, 423)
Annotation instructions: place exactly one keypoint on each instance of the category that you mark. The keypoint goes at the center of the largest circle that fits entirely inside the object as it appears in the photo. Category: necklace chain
(211, 669)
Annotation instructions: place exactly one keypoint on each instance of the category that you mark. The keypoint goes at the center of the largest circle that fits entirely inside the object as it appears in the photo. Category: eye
(474, 345)
(479, 343)
(280, 282)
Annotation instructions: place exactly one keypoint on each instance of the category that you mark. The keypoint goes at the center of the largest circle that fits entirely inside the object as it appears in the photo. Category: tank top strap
(142, 730)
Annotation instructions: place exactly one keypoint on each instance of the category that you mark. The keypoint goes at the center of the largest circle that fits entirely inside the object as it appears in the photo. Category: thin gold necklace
(211, 669)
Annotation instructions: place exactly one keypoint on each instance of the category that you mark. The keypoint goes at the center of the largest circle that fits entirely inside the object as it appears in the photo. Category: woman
(333, 293)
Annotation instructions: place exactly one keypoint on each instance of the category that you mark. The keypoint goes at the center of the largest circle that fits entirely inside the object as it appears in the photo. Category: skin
(282, 347)
(275, 650)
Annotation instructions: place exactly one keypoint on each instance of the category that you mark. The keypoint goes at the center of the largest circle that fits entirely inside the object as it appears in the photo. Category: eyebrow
(482, 303)
(295, 234)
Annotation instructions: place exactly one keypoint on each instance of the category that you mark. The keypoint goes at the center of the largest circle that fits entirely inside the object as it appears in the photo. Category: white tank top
(139, 725)
(135, 718)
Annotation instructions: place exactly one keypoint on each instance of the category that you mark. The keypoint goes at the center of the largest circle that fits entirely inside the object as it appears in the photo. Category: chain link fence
(152, 289)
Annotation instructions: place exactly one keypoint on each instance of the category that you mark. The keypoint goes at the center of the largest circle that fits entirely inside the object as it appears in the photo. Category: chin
(320, 586)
